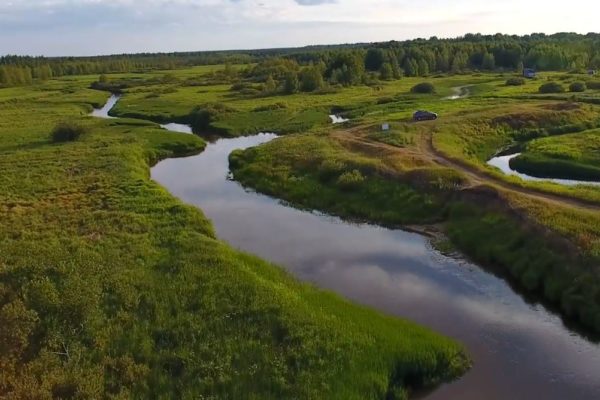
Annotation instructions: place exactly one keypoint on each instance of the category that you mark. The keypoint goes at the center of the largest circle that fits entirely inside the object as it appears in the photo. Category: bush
(515, 82)
(423, 88)
(351, 180)
(271, 107)
(201, 117)
(552, 87)
(578, 87)
(107, 86)
(67, 132)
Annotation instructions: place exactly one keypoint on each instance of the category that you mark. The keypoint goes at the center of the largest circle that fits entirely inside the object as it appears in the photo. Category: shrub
(203, 116)
(272, 107)
(515, 82)
(424, 87)
(67, 132)
(350, 180)
(236, 159)
(104, 84)
(552, 87)
(577, 87)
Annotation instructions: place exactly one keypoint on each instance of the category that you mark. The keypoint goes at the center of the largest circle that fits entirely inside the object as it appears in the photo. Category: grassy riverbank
(112, 288)
(357, 181)
(395, 178)
(315, 172)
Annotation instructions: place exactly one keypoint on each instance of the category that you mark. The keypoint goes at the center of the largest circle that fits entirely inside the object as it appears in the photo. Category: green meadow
(394, 178)
(112, 288)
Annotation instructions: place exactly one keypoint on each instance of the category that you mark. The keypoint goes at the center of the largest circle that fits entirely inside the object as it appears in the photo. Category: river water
(103, 112)
(336, 119)
(503, 164)
(520, 350)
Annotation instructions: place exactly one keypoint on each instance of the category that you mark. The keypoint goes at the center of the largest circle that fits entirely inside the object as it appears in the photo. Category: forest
(343, 64)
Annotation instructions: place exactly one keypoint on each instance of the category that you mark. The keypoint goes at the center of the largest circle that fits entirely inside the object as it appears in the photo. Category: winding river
(503, 164)
(103, 112)
(520, 350)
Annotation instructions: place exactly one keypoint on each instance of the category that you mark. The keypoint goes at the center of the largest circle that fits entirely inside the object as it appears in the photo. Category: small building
(529, 73)
(591, 72)
(385, 127)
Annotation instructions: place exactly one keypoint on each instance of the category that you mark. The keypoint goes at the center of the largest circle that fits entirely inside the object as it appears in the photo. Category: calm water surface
(181, 128)
(503, 163)
(520, 351)
(336, 119)
(103, 112)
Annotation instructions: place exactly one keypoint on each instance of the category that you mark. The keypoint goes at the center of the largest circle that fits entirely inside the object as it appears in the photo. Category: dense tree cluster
(19, 70)
(343, 64)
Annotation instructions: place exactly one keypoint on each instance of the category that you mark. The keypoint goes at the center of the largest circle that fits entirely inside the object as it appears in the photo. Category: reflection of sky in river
(174, 127)
(103, 112)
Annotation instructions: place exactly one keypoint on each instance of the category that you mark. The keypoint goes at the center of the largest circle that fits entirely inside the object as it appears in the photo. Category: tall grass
(571, 156)
(112, 288)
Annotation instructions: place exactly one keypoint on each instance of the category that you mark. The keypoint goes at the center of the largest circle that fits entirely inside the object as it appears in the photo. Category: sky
(92, 27)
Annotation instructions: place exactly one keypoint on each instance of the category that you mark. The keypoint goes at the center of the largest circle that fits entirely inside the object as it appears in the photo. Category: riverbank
(316, 173)
(399, 273)
(425, 174)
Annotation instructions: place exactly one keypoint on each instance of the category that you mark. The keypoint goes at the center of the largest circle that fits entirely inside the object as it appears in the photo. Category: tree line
(342, 64)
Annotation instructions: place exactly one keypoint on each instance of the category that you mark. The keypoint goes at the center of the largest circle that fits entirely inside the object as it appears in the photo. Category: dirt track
(475, 176)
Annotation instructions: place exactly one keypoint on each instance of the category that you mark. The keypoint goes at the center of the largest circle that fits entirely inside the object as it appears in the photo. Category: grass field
(348, 173)
(575, 156)
(112, 288)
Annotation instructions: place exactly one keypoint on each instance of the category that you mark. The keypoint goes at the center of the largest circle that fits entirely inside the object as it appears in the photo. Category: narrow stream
(103, 112)
(337, 119)
(503, 163)
(181, 128)
(520, 350)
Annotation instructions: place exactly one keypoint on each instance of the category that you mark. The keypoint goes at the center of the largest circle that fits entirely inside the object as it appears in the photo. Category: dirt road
(475, 176)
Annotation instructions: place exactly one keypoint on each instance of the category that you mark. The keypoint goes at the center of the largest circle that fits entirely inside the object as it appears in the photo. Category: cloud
(314, 2)
(61, 26)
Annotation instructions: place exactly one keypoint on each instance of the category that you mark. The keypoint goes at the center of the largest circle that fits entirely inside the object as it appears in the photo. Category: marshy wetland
(325, 260)
(400, 274)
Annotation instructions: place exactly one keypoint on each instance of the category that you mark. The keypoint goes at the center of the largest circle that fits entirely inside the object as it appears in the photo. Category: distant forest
(341, 64)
